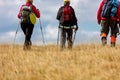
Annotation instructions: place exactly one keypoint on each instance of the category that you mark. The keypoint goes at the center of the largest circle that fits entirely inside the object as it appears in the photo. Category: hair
(29, 1)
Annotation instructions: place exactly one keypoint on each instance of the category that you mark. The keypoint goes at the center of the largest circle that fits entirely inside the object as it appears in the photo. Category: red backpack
(67, 13)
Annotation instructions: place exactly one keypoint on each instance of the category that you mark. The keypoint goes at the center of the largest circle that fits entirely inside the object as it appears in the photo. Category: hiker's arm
(99, 12)
(59, 13)
(118, 12)
(19, 12)
(74, 17)
(36, 11)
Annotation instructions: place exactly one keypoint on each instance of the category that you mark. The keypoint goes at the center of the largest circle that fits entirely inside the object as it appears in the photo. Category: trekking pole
(42, 32)
(118, 29)
(58, 38)
(74, 36)
(16, 33)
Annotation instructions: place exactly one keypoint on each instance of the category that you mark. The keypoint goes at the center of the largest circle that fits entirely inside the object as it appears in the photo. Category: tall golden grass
(84, 62)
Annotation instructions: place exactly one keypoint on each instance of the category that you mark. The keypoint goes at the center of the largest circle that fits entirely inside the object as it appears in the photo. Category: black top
(60, 17)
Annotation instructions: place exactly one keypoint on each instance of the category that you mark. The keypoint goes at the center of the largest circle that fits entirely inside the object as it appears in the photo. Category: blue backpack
(110, 8)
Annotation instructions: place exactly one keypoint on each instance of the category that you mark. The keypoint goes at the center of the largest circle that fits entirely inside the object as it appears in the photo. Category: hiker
(108, 16)
(27, 15)
(67, 20)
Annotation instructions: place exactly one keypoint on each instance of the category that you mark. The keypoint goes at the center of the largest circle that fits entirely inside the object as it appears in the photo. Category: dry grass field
(84, 62)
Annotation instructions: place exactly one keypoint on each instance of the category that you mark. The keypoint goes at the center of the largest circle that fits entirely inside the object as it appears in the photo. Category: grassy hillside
(84, 62)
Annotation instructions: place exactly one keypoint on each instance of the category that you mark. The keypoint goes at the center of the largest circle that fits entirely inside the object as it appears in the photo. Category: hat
(66, 0)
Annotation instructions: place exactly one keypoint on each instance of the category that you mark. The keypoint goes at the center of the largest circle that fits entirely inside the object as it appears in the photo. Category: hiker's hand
(118, 25)
(99, 21)
(76, 28)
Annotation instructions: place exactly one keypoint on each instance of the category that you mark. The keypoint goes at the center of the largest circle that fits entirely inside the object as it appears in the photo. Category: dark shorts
(108, 25)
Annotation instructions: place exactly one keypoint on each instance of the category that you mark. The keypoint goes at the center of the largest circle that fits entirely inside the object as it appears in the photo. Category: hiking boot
(70, 43)
(70, 47)
(112, 44)
(27, 45)
(113, 40)
(30, 43)
(104, 41)
(62, 48)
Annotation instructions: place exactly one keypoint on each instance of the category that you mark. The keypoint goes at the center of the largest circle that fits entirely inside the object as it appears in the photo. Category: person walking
(108, 15)
(27, 15)
(67, 20)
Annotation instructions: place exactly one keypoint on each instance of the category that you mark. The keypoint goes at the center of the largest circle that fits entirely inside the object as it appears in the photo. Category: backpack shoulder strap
(70, 7)
(23, 5)
(31, 8)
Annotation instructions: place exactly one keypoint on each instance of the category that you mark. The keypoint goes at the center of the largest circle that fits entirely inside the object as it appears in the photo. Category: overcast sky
(85, 10)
